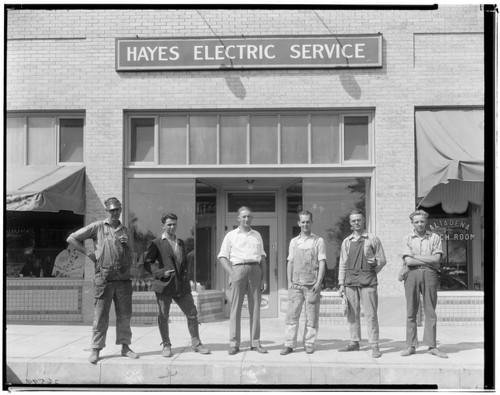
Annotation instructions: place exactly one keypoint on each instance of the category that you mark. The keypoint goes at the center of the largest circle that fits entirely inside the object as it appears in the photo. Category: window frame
(158, 116)
(57, 130)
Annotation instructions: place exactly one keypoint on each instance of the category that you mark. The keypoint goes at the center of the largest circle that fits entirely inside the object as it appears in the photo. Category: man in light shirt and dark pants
(242, 255)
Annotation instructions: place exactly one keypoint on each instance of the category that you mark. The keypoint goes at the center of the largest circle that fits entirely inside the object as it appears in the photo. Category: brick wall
(65, 59)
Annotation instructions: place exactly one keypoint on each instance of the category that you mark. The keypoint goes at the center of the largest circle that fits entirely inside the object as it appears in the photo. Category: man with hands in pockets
(242, 255)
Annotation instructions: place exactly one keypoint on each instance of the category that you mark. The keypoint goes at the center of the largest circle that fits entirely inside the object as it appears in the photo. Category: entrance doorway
(267, 227)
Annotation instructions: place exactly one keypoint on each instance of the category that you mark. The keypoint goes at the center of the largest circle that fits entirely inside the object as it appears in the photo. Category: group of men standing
(242, 255)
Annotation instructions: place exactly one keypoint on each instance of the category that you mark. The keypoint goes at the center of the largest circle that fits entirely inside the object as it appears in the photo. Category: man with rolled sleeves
(361, 259)
(113, 260)
(422, 251)
(242, 255)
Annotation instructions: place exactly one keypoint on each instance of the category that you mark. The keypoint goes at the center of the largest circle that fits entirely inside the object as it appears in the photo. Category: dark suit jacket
(177, 282)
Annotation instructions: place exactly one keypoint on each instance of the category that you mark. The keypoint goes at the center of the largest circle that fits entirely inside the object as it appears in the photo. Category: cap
(112, 203)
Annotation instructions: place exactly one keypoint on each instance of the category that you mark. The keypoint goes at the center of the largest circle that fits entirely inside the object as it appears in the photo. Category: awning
(46, 188)
(450, 146)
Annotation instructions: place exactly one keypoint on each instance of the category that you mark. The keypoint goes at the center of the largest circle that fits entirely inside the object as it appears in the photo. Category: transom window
(285, 138)
(44, 139)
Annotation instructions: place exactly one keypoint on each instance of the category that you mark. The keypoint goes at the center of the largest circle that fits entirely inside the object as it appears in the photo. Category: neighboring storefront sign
(458, 229)
(348, 51)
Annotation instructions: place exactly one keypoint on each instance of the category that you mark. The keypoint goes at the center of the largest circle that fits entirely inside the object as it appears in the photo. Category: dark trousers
(121, 293)
(187, 306)
(423, 281)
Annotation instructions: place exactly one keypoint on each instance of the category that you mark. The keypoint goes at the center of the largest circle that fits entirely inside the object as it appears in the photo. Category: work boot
(376, 351)
(286, 350)
(309, 349)
(201, 349)
(94, 355)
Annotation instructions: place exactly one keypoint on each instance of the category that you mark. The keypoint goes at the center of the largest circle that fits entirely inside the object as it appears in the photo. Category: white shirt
(242, 247)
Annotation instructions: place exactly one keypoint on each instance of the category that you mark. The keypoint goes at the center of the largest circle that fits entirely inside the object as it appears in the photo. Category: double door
(267, 227)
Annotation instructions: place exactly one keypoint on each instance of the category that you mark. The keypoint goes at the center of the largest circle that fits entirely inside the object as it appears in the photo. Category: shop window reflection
(330, 200)
(148, 200)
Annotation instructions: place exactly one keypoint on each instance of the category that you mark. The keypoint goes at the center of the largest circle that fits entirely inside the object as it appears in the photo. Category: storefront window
(294, 139)
(41, 141)
(206, 250)
(142, 139)
(325, 139)
(233, 138)
(263, 139)
(203, 140)
(36, 244)
(71, 140)
(330, 200)
(356, 138)
(15, 141)
(44, 140)
(457, 237)
(148, 200)
(280, 138)
(173, 140)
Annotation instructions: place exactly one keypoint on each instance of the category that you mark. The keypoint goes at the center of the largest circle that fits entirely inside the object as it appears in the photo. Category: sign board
(227, 53)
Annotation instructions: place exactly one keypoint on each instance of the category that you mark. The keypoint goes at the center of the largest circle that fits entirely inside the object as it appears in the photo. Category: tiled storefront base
(210, 305)
(44, 299)
(60, 300)
(462, 307)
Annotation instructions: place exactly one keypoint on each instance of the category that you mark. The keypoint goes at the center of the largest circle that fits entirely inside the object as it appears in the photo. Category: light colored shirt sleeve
(379, 252)
(225, 248)
(291, 249)
(321, 250)
(342, 262)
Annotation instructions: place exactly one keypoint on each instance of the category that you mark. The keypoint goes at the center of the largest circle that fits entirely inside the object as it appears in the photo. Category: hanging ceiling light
(250, 185)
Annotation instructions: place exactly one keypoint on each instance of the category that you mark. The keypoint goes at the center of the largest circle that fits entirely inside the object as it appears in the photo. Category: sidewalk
(57, 354)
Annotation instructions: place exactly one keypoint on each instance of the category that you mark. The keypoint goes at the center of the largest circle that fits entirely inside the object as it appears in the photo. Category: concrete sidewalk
(41, 354)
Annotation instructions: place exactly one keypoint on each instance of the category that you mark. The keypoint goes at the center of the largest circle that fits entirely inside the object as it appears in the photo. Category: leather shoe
(376, 351)
(309, 349)
(350, 347)
(201, 349)
(437, 353)
(233, 350)
(166, 352)
(94, 355)
(409, 351)
(259, 349)
(127, 352)
(286, 350)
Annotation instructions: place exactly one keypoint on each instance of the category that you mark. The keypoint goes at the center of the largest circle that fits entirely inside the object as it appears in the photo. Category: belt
(418, 267)
(247, 263)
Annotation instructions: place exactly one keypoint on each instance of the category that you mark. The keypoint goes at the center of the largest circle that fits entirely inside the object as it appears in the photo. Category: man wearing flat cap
(112, 259)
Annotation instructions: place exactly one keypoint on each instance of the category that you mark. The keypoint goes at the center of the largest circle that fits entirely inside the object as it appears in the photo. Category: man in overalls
(305, 271)
(361, 258)
(112, 259)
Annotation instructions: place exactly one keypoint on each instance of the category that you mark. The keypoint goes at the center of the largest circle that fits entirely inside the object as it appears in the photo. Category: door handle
(276, 273)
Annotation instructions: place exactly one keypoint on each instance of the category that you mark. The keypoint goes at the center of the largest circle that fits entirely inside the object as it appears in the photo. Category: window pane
(203, 140)
(41, 141)
(233, 139)
(15, 141)
(263, 139)
(173, 140)
(294, 143)
(258, 202)
(71, 140)
(142, 139)
(325, 138)
(356, 138)
(148, 200)
(330, 201)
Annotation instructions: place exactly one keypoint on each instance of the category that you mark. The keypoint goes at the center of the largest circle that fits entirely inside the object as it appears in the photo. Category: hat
(112, 203)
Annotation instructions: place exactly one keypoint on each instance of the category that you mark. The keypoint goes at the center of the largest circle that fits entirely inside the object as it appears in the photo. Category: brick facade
(65, 60)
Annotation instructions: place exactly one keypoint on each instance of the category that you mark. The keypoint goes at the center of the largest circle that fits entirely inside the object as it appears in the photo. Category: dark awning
(46, 188)
(450, 146)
